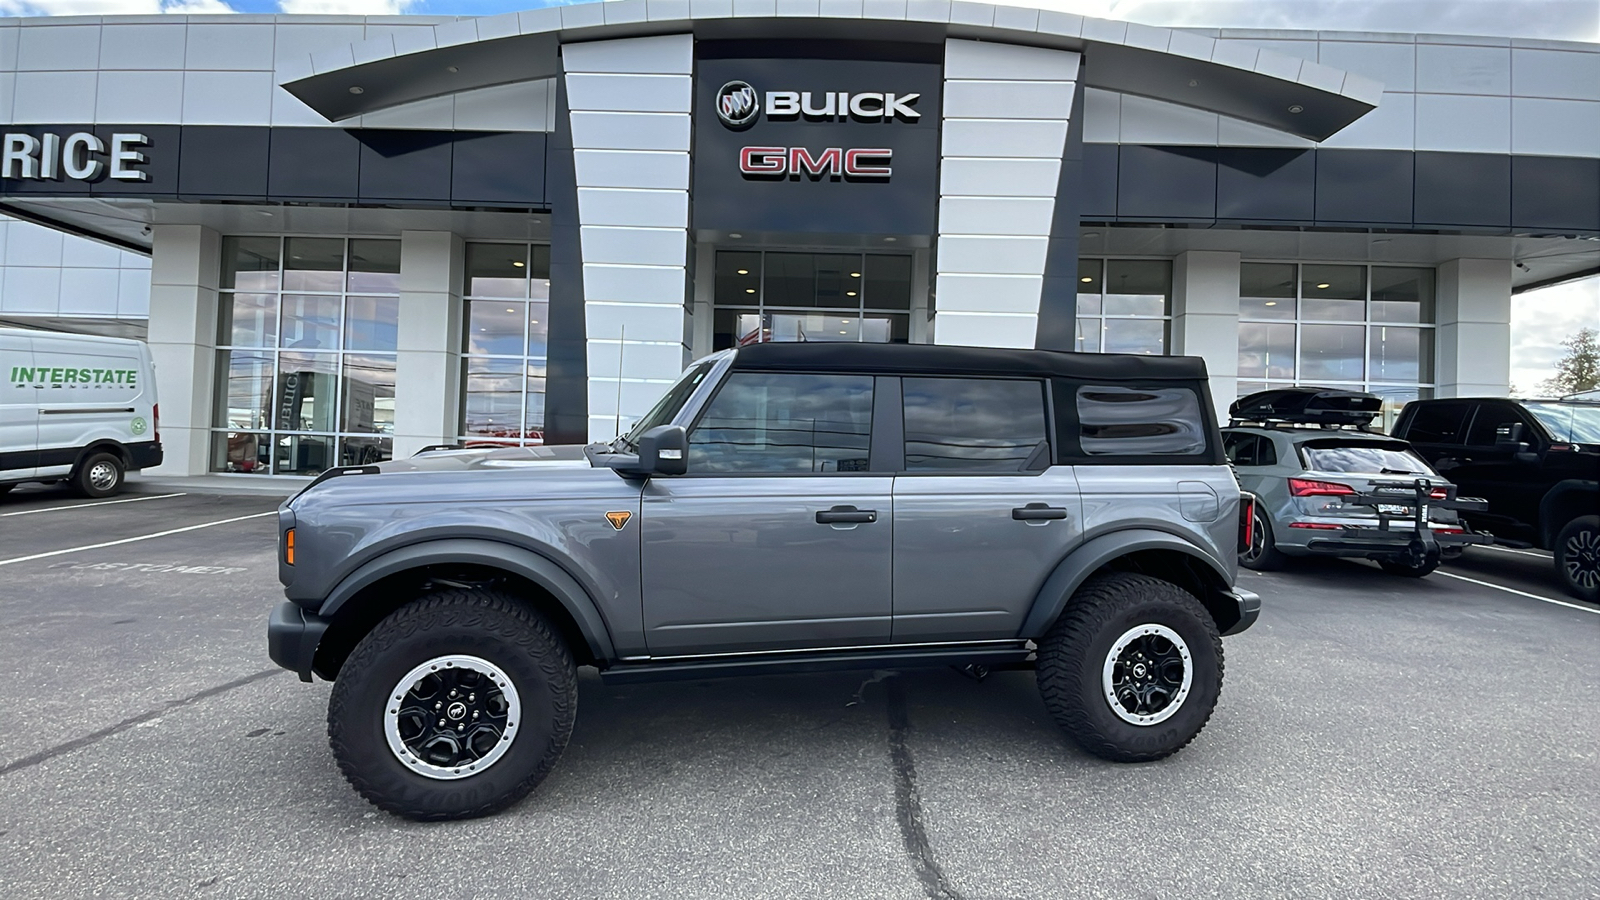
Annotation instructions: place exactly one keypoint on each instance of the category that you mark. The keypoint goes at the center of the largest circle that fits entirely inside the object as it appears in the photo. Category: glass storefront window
(507, 340)
(1124, 306)
(792, 296)
(1266, 291)
(1362, 327)
(1333, 293)
(313, 264)
(305, 375)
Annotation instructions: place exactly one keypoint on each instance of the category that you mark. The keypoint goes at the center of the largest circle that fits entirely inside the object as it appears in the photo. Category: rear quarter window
(1127, 422)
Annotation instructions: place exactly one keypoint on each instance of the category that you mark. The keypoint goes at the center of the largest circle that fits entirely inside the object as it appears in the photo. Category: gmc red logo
(776, 162)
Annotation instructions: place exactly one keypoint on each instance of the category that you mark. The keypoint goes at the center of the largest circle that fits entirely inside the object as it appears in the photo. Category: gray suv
(784, 508)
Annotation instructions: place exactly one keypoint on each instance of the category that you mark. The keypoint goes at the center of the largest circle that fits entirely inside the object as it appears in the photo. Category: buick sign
(737, 105)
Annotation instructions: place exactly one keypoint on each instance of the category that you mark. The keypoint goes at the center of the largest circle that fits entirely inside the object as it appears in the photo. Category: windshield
(1373, 458)
(1569, 422)
(670, 403)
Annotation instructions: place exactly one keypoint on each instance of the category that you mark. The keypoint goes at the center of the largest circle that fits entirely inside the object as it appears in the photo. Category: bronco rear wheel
(1132, 669)
(456, 705)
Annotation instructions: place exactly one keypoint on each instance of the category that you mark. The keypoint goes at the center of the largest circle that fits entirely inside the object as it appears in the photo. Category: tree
(1579, 370)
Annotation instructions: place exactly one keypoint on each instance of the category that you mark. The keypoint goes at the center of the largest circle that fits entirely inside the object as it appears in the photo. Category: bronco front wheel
(456, 705)
(1132, 669)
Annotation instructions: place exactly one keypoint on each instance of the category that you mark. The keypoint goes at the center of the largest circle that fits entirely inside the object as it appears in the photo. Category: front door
(780, 535)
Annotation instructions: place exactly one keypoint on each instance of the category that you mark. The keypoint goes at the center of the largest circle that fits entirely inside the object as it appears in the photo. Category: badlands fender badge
(618, 519)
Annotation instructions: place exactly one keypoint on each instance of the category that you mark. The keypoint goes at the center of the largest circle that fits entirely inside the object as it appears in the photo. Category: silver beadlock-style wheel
(1147, 675)
(452, 717)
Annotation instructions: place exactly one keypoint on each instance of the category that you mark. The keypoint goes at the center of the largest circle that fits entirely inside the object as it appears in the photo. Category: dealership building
(347, 238)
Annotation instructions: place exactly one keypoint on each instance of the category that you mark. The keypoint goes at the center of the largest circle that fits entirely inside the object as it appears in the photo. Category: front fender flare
(538, 569)
(1072, 572)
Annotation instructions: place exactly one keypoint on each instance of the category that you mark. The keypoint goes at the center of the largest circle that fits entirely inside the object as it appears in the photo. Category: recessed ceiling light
(849, 293)
(518, 263)
(749, 290)
(844, 332)
(357, 89)
(1272, 303)
(1324, 285)
(1086, 279)
(890, 240)
(744, 271)
(735, 235)
(510, 309)
(855, 274)
(533, 321)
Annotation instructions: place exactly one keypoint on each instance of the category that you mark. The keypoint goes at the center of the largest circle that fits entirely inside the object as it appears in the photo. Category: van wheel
(1578, 558)
(99, 475)
(1132, 669)
(456, 705)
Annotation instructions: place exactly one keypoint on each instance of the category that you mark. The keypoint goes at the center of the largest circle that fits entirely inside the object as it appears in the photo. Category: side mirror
(1512, 440)
(664, 450)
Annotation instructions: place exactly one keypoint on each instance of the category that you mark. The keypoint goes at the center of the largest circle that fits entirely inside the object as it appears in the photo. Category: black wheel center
(1148, 675)
(453, 717)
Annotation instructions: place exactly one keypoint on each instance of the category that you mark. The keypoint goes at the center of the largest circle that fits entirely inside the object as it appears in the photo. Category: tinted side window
(1437, 423)
(1493, 422)
(1121, 421)
(788, 423)
(1240, 448)
(968, 424)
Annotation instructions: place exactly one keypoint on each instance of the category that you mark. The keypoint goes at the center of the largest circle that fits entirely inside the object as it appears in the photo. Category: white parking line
(29, 512)
(142, 537)
(1517, 552)
(1587, 609)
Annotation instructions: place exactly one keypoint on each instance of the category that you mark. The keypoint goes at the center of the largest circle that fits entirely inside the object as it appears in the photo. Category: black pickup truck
(1536, 462)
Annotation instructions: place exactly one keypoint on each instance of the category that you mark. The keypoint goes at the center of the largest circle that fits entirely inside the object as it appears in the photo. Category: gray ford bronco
(784, 508)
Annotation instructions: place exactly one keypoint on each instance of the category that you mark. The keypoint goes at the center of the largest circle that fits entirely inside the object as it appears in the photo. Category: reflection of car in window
(784, 507)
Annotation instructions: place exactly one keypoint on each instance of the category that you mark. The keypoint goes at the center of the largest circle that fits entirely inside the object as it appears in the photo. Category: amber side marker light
(288, 546)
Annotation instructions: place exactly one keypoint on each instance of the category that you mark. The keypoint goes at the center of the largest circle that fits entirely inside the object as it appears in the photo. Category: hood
(491, 458)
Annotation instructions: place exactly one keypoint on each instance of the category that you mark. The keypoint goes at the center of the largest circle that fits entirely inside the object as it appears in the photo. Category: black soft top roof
(928, 359)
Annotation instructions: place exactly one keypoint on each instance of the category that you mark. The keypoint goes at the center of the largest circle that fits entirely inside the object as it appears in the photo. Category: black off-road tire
(486, 624)
(99, 475)
(1577, 555)
(1073, 653)
(1263, 555)
(1405, 569)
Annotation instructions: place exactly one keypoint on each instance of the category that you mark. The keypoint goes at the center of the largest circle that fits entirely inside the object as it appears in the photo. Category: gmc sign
(852, 163)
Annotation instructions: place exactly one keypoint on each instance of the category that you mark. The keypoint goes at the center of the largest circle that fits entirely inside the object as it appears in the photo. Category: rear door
(780, 535)
(19, 413)
(1488, 468)
(982, 515)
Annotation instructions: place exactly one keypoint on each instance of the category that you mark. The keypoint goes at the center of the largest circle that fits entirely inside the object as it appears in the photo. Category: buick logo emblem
(737, 104)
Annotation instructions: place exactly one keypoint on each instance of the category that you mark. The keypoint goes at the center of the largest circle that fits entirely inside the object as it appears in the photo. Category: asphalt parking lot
(1377, 737)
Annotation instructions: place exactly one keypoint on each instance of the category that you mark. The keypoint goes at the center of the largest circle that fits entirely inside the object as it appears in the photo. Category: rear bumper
(292, 638)
(1249, 609)
(1367, 541)
(146, 455)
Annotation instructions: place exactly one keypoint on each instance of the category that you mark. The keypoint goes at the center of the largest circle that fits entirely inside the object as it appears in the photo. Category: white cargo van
(75, 408)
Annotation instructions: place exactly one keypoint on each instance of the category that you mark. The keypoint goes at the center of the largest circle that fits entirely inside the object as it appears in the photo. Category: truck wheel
(456, 705)
(99, 475)
(1405, 569)
(1578, 558)
(1132, 669)
(1263, 554)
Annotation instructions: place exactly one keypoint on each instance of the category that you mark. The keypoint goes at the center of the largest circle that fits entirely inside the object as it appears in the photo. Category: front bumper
(293, 636)
(1249, 609)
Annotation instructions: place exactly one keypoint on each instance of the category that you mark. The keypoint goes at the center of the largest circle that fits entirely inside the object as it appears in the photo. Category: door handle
(1035, 511)
(842, 515)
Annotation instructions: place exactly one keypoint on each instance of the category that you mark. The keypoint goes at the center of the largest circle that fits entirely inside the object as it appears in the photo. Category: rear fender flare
(536, 568)
(1072, 572)
(1573, 491)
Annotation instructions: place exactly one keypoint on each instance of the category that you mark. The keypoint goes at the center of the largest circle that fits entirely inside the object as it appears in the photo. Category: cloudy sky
(1540, 319)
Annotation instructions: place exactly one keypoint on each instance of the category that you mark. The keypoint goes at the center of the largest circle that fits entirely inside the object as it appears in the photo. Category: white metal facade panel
(995, 212)
(632, 98)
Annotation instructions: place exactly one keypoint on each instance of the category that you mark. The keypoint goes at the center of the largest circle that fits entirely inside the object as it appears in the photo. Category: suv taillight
(1305, 487)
